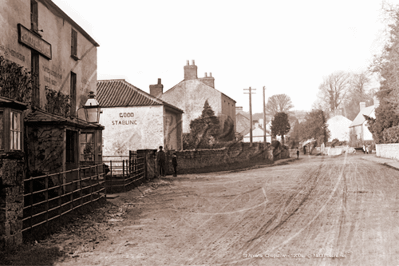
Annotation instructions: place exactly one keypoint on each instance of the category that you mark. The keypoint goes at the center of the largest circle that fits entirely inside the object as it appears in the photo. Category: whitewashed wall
(388, 150)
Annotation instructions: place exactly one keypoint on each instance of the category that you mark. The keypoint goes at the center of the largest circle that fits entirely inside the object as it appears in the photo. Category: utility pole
(249, 91)
(264, 114)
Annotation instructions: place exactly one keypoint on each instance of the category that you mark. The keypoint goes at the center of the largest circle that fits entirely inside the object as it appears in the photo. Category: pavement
(384, 161)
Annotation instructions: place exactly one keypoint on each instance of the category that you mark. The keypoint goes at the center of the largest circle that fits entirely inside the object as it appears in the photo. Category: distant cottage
(191, 94)
(358, 128)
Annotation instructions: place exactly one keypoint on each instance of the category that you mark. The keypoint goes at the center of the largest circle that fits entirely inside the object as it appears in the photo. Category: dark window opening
(35, 74)
(74, 44)
(70, 146)
(86, 146)
(34, 18)
(72, 94)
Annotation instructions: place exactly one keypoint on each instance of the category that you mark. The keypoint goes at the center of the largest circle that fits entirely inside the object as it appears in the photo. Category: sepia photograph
(199, 132)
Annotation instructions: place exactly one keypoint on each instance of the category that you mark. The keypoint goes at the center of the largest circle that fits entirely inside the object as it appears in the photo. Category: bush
(391, 135)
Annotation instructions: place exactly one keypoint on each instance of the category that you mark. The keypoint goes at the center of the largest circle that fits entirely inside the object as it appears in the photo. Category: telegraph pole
(264, 114)
(249, 91)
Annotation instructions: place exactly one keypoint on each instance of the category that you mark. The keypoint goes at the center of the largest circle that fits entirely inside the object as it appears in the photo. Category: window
(1, 131)
(34, 16)
(72, 94)
(15, 131)
(86, 141)
(74, 44)
(70, 146)
(35, 74)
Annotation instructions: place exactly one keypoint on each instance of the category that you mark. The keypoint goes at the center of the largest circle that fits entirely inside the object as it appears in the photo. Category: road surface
(312, 211)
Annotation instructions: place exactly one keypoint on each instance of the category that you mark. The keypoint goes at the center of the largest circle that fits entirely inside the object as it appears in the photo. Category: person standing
(161, 161)
(174, 163)
(297, 152)
(364, 149)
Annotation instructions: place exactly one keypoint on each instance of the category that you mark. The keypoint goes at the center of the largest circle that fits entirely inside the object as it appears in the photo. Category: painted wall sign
(33, 41)
(124, 122)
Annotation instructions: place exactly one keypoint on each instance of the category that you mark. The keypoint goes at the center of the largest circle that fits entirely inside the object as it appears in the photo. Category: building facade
(190, 96)
(339, 128)
(358, 129)
(134, 119)
(62, 58)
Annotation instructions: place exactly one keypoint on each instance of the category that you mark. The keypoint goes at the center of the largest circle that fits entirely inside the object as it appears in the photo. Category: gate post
(150, 169)
(12, 175)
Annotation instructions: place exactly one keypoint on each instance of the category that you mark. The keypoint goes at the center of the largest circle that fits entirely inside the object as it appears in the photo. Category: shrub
(391, 135)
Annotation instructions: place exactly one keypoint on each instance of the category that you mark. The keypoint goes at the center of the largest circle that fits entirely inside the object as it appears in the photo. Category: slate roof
(359, 120)
(120, 93)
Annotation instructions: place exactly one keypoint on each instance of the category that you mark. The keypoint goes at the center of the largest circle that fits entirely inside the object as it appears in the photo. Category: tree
(358, 92)
(280, 125)
(278, 103)
(333, 90)
(315, 126)
(204, 130)
(386, 65)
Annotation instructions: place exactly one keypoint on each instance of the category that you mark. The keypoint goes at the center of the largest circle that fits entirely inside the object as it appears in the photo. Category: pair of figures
(161, 158)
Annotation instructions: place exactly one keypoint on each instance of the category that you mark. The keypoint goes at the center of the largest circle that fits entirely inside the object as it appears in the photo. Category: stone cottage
(190, 95)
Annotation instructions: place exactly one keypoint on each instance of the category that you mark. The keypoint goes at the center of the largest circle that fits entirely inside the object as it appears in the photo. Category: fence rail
(124, 173)
(51, 196)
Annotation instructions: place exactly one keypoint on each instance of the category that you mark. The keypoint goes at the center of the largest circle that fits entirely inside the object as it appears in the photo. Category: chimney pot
(206, 74)
(193, 63)
(159, 81)
(188, 62)
(210, 74)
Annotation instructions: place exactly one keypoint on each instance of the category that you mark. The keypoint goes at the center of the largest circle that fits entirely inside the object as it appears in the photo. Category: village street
(312, 211)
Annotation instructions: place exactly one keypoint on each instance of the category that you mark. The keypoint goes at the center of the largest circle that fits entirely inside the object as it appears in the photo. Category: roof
(199, 80)
(58, 12)
(120, 93)
(40, 117)
(359, 120)
(242, 124)
(7, 102)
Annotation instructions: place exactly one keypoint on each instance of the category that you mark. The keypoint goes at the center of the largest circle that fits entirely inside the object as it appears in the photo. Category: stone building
(134, 119)
(190, 95)
(43, 124)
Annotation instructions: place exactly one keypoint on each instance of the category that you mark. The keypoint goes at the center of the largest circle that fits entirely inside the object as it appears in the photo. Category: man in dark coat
(161, 161)
(174, 163)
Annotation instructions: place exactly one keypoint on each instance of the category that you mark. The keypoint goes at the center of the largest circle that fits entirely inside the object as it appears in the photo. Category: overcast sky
(287, 46)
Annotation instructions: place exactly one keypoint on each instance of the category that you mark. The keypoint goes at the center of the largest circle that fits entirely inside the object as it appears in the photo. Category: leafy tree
(386, 65)
(333, 90)
(278, 103)
(204, 130)
(280, 125)
(315, 126)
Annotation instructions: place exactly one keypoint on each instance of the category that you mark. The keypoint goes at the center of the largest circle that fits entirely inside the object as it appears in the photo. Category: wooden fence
(124, 173)
(51, 196)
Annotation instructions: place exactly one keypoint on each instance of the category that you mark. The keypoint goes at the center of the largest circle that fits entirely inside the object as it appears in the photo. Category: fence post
(46, 198)
(123, 175)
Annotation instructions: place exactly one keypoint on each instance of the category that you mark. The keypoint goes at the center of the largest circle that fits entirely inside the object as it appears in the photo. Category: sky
(287, 46)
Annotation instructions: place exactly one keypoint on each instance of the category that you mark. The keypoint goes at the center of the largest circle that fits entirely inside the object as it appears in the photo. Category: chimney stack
(157, 89)
(362, 105)
(190, 71)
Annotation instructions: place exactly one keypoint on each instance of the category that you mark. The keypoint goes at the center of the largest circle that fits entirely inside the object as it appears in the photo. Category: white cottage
(359, 127)
(339, 128)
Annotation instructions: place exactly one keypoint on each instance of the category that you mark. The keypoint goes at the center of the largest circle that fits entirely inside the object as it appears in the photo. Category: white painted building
(359, 127)
(339, 128)
(134, 119)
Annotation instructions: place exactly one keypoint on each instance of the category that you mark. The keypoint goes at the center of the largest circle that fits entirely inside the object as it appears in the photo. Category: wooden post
(264, 114)
(250, 112)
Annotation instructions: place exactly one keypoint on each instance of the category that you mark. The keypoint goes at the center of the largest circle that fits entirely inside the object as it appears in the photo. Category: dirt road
(314, 211)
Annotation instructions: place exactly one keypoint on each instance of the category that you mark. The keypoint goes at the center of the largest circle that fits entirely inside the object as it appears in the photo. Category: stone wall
(388, 150)
(11, 199)
(190, 161)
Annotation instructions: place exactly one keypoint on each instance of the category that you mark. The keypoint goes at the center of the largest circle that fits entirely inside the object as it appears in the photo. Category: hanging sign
(34, 42)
